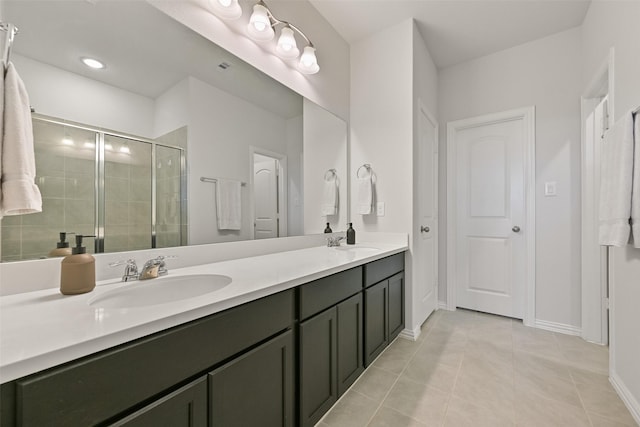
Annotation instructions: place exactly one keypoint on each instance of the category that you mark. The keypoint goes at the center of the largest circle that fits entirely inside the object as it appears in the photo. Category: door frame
(282, 189)
(527, 115)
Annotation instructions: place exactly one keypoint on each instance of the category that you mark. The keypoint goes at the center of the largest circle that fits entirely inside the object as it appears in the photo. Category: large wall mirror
(150, 150)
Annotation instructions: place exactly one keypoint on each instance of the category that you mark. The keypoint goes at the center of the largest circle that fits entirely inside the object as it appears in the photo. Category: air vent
(224, 65)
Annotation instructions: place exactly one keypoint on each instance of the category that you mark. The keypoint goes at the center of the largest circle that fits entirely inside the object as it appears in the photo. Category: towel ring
(333, 173)
(367, 166)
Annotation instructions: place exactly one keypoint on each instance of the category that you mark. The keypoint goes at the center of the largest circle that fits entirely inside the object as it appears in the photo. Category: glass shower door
(127, 194)
(169, 193)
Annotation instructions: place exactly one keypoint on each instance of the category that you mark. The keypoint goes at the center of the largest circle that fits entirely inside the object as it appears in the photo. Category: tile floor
(474, 369)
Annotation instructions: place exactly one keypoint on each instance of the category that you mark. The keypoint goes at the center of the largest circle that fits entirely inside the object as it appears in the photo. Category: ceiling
(457, 30)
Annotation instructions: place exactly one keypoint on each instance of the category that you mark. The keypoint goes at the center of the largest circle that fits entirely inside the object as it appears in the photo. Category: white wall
(329, 88)
(221, 129)
(61, 94)
(545, 73)
(324, 148)
(614, 24)
(172, 109)
(389, 71)
(295, 214)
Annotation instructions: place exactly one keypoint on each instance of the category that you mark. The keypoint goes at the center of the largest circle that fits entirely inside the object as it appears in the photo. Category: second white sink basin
(161, 290)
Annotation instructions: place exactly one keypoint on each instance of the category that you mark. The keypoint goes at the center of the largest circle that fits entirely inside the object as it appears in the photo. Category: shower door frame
(99, 178)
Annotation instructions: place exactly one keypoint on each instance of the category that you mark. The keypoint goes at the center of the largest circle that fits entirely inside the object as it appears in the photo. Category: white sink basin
(356, 248)
(161, 290)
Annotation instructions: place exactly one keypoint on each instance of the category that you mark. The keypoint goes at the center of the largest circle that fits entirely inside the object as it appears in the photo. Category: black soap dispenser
(62, 247)
(328, 229)
(351, 235)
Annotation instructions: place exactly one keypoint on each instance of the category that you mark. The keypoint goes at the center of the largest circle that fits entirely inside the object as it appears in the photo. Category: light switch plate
(550, 188)
(380, 209)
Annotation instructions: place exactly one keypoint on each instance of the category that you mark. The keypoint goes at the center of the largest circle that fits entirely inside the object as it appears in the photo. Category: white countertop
(42, 329)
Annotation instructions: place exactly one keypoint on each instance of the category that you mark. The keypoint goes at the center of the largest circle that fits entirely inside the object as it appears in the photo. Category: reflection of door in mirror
(128, 192)
(265, 196)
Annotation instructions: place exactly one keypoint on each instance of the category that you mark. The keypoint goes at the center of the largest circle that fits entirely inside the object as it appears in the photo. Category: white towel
(228, 204)
(635, 195)
(330, 197)
(20, 195)
(365, 194)
(616, 180)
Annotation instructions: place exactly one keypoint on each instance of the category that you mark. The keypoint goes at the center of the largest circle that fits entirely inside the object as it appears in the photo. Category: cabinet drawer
(328, 291)
(377, 271)
(99, 387)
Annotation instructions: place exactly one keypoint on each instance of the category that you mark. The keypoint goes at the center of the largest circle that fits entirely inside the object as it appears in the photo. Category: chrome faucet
(130, 269)
(334, 241)
(153, 268)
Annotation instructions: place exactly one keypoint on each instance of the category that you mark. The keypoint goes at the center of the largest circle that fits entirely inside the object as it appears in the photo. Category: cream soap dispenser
(78, 271)
(62, 247)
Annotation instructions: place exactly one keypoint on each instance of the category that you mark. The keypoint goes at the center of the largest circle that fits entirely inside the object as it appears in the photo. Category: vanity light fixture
(92, 63)
(261, 28)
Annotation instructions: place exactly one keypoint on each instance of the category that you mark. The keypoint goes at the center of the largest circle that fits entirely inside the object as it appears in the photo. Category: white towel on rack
(635, 189)
(19, 193)
(616, 182)
(365, 193)
(330, 197)
(228, 204)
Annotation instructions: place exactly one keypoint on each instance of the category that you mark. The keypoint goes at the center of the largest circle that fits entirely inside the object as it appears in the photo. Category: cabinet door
(255, 389)
(375, 321)
(396, 305)
(318, 354)
(349, 325)
(185, 407)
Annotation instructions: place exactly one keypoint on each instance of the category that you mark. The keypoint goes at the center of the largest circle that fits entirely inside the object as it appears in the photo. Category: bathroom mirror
(135, 152)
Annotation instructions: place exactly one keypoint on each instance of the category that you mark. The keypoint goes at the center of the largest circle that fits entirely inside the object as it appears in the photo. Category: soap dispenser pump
(78, 271)
(62, 247)
(328, 229)
(351, 235)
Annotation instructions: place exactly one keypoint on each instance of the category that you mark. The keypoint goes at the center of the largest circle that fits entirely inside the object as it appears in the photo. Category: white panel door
(426, 248)
(490, 218)
(265, 196)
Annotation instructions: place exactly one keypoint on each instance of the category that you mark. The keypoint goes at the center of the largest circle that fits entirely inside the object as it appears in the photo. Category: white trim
(442, 305)
(626, 396)
(410, 334)
(527, 115)
(560, 328)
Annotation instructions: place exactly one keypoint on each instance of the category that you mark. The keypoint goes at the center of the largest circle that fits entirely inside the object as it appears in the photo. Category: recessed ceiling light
(92, 63)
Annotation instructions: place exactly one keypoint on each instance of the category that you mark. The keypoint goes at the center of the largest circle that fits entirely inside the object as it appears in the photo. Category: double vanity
(269, 340)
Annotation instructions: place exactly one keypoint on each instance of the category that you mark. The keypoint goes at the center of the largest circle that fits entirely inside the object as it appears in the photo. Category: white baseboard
(629, 400)
(557, 327)
(409, 334)
(443, 306)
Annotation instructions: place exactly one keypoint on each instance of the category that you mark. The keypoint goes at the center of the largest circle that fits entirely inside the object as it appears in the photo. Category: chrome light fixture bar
(261, 28)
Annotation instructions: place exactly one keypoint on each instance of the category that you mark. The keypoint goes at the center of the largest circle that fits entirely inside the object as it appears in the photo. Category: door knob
(424, 229)
(515, 229)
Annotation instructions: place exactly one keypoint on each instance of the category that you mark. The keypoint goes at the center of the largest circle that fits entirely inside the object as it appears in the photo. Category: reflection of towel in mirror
(330, 197)
(365, 194)
(635, 196)
(19, 193)
(616, 180)
(228, 204)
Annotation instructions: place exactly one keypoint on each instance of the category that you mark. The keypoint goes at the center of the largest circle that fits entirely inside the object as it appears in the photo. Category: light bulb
(259, 27)
(308, 62)
(287, 47)
(226, 9)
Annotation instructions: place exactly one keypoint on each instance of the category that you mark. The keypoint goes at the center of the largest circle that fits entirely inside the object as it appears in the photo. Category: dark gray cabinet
(185, 407)
(349, 325)
(318, 362)
(255, 389)
(383, 304)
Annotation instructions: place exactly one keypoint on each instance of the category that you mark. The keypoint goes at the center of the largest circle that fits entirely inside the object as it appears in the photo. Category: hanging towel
(616, 181)
(635, 195)
(228, 204)
(330, 197)
(20, 195)
(365, 193)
